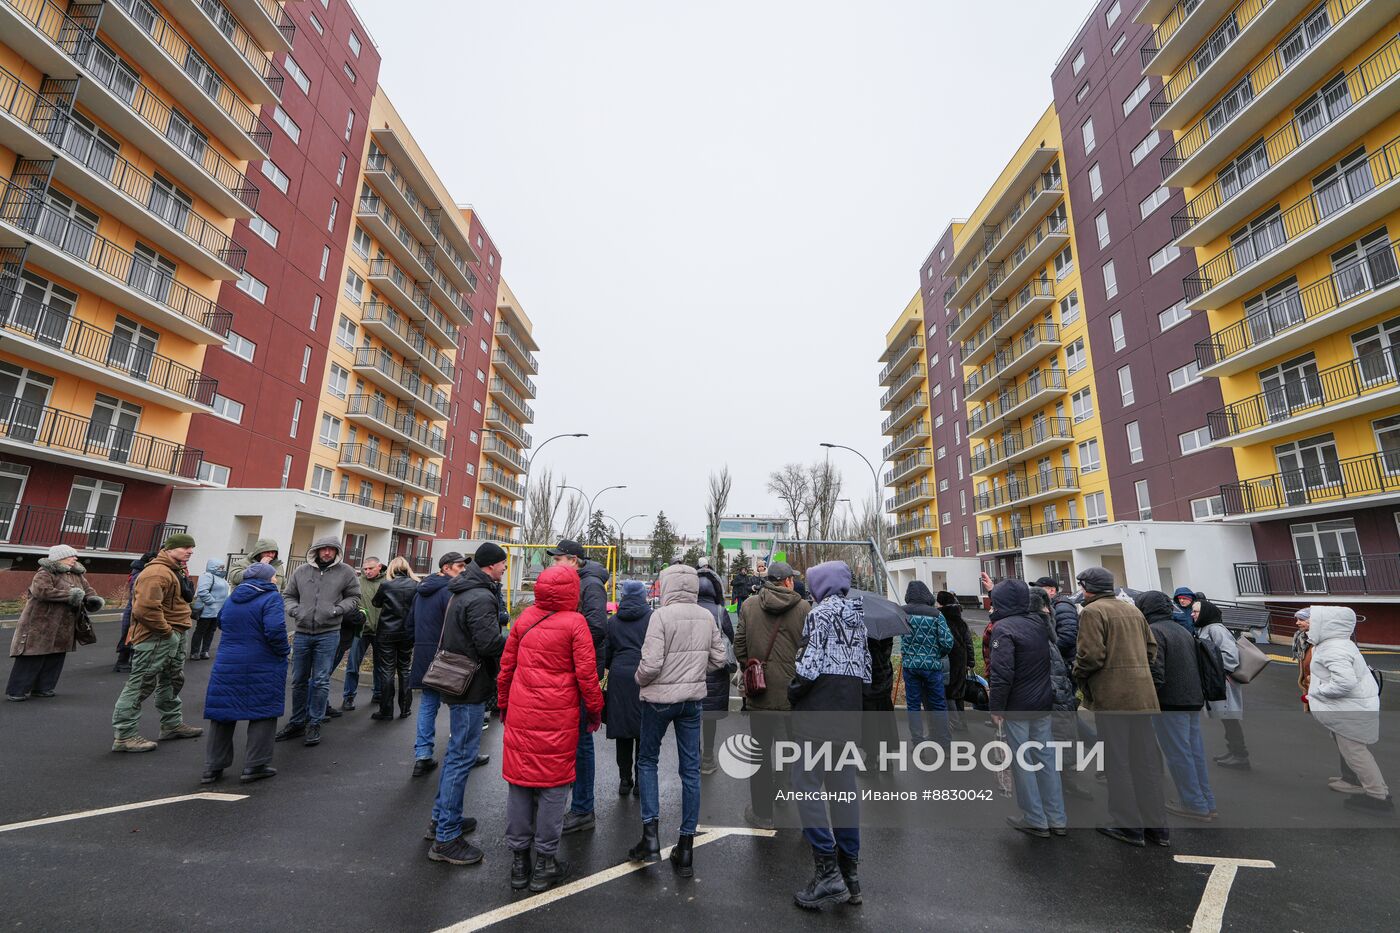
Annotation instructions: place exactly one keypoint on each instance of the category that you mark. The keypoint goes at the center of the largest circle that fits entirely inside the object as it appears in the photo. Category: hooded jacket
(770, 626)
(711, 599)
(593, 604)
(471, 628)
(833, 662)
(56, 595)
(392, 601)
(682, 644)
(425, 623)
(158, 605)
(1342, 694)
(249, 677)
(1066, 626)
(1182, 614)
(369, 588)
(1114, 657)
(212, 591)
(1019, 667)
(260, 546)
(1211, 627)
(317, 598)
(1175, 670)
(547, 669)
(622, 652)
(930, 641)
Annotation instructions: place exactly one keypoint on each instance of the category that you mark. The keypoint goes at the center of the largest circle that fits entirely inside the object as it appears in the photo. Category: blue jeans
(312, 659)
(686, 718)
(462, 749)
(583, 766)
(817, 828)
(353, 659)
(1179, 734)
(923, 690)
(428, 702)
(1038, 793)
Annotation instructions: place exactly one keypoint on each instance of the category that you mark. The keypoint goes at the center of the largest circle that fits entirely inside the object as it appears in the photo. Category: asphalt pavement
(334, 843)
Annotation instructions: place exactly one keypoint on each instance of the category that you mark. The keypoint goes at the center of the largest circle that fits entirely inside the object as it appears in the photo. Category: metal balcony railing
(37, 219)
(506, 452)
(1220, 39)
(917, 371)
(1336, 575)
(413, 519)
(917, 429)
(375, 207)
(46, 428)
(506, 391)
(1374, 372)
(912, 494)
(278, 15)
(502, 358)
(367, 501)
(913, 343)
(504, 480)
(919, 460)
(404, 422)
(913, 525)
(1006, 271)
(58, 329)
(377, 161)
(1332, 482)
(512, 427)
(43, 526)
(1167, 28)
(1038, 335)
(383, 361)
(1381, 168)
(916, 400)
(992, 235)
(1010, 444)
(379, 312)
(1011, 397)
(498, 511)
(245, 45)
(1011, 539)
(1020, 486)
(399, 466)
(508, 334)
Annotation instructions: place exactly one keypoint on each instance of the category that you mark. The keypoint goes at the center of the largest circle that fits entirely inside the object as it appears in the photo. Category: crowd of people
(807, 666)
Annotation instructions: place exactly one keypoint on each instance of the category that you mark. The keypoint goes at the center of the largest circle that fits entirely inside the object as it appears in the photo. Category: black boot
(624, 785)
(681, 856)
(827, 888)
(519, 869)
(849, 866)
(548, 872)
(648, 848)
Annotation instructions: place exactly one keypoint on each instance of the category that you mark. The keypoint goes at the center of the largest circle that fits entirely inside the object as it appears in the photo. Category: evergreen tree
(598, 532)
(663, 542)
(692, 555)
(740, 564)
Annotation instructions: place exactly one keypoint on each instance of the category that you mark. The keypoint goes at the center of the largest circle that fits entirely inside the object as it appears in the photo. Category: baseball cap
(780, 570)
(568, 547)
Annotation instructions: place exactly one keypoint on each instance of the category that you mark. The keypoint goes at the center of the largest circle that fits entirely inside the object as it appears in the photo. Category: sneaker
(1021, 826)
(133, 743)
(456, 852)
(1345, 787)
(16, 698)
(332, 712)
(1123, 835)
(756, 821)
(290, 731)
(1237, 762)
(42, 694)
(1178, 809)
(313, 735)
(182, 731)
(422, 766)
(708, 766)
(578, 822)
(209, 777)
(347, 704)
(259, 773)
(481, 761)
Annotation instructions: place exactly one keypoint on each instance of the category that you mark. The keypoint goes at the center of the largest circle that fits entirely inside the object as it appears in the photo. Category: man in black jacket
(1066, 618)
(471, 628)
(1021, 698)
(593, 604)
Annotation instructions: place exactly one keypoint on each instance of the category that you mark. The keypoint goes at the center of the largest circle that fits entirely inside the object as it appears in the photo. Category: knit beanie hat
(259, 572)
(61, 552)
(488, 554)
(179, 539)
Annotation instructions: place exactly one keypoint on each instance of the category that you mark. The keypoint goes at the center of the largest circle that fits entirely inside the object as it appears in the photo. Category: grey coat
(318, 598)
(682, 643)
(1232, 707)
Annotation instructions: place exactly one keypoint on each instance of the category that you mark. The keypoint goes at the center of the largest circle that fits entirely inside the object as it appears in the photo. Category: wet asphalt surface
(334, 843)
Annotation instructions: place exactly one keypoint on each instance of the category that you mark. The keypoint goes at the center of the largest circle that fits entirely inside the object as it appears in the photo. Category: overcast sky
(712, 210)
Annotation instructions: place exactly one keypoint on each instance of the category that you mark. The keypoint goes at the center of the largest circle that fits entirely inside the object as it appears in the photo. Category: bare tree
(542, 501)
(720, 486)
(790, 485)
(824, 488)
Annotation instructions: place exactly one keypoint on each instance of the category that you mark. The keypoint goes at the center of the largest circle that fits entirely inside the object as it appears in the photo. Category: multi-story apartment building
(126, 132)
(500, 500)
(1285, 118)
(905, 376)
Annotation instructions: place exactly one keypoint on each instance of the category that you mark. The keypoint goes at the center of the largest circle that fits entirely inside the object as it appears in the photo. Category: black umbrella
(883, 619)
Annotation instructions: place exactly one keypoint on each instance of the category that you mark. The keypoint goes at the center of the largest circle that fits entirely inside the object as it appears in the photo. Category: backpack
(1212, 669)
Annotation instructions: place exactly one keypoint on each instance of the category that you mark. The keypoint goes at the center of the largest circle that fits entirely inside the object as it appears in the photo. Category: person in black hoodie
(962, 662)
(393, 646)
(1021, 697)
(715, 706)
(621, 654)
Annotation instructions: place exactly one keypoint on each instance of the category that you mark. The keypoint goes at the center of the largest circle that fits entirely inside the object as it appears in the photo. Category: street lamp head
(578, 435)
(824, 444)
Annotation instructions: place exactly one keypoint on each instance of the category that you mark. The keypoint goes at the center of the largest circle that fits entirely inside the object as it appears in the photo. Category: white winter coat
(1342, 693)
(1232, 707)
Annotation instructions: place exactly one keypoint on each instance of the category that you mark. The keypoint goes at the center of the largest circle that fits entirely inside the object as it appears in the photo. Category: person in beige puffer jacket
(682, 645)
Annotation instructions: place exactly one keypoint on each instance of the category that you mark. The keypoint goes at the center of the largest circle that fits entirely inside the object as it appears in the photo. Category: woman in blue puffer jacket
(249, 679)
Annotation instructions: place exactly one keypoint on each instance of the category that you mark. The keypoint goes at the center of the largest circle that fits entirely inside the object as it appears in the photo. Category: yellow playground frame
(524, 556)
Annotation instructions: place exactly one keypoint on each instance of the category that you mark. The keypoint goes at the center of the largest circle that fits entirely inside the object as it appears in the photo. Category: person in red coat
(548, 669)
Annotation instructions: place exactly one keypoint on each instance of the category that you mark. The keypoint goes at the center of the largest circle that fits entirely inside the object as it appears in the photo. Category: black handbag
(83, 633)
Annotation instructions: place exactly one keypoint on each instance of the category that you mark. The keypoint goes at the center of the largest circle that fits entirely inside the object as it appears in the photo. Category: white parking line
(1211, 912)
(140, 805)
(481, 921)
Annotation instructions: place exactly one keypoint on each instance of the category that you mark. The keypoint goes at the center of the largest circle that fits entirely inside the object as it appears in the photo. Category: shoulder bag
(755, 684)
(450, 672)
(1252, 660)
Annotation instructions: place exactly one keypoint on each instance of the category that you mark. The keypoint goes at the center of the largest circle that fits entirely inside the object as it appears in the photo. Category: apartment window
(947, 518)
(957, 432)
(320, 31)
(1145, 147)
(338, 384)
(940, 453)
(1185, 376)
(1080, 94)
(354, 286)
(938, 421)
(962, 500)
(483, 345)
(296, 417)
(354, 43)
(1101, 227)
(943, 485)
(315, 312)
(1110, 281)
(286, 470)
(1144, 501)
(476, 405)
(1064, 264)
(360, 242)
(1134, 433)
(1095, 511)
(1162, 258)
(475, 438)
(1207, 508)
(330, 431)
(1082, 404)
(345, 330)
(1193, 441)
(1173, 316)
(1095, 181)
(1153, 201)
(1086, 132)
(240, 346)
(961, 469)
(213, 474)
(276, 175)
(325, 261)
(1125, 384)
(340, 172)
(305, 364)
(1138, 96)
(1114, 11)
(349, 125)
(264, 229)
(350, 73)
(1075, 357)
(967, 545)
(292, 68)
(1089, 455)
(335, 210)
(227, 408)
(289, 126)
(255, 289)
(1078, 64)
(320, 476)
(480, 376)
(937, 389)
(1069, 308)
(933, 360)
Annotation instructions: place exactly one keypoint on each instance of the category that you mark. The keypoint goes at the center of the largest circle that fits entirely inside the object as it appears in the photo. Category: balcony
(1011, 360)
(1343, 575)
(388, 325)
(918, 525)
(1011, 540)
(1016, 198)
(909, 437)
(503, 452)
(395, 174)
(401, 425)
(511, 400)
(915, 462)
(1293, 152)
(53, 337)
(914, 495)
(1329, 487)
(413, 520)
(499, 511)
(506, 367)
(506, 337)
(54, 434)
(1013, 402)
(1356, 387)
(1347, 204)
(394, 236)
(504, 483)
(395, 469)
(913, 376)
(223, 40)
(498, 420)
(900, 356)
(267, 21)
(1022, 489)
(43, 527)
(1015, 447)
(74, 252)
(999, 241)
(361, 499)
(1355, 292)
(1177, 31)
(1271, 87)
(1021, 307)
(379, 365)
(901, 415)
(35, 128)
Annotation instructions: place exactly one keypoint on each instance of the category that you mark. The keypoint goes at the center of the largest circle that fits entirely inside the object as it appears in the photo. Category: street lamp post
(531, 461)
(589, 516)
(875, 477)
(622, 532)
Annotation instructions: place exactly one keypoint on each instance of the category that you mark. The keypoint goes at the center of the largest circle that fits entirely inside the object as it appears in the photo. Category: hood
(262, 546)
(634, 603)
(1155, 606)
(776, 600)
(830, 578)
(323, 541)
(214, 566)
(1330, 622)
(1011, 597)
(1210, 612)
(428, 585)
(917, 593)
(711, 586)
(53, 566)
(679, 584)
(1184, 591)
(556, 590)
(473, 578)
(249, 590)
(596, 570)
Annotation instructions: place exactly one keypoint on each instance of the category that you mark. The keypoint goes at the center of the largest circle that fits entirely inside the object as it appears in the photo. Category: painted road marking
(1211, 913)
(141, 805)
(481, 921)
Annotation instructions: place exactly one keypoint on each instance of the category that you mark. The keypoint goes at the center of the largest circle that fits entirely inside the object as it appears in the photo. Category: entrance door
(92, 510)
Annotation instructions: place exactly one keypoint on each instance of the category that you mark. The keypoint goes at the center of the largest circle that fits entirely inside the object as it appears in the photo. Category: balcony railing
(404, 422)
(43, 526)
(501, 358)
(917, 429)
(1020, 486)
(506, 391)
(913, 343)
(383, 361)
(1011, 398)
(379, 312)
(1050, 181)
(912, 494)
(508, 335)
(1038, 335)
(46, 428)
(38, 220)
(58, 330)
(1381, 168)
(246, 46)
(1011, 539)
(367, 501)
(396, 465)
(913, 525)
(1220, 39)
(278, 15)
(919, 460)
(1009, 445)
(914, 401)
(414, 520)
(1337, 575)
(379, 162)
(512, 427)
(1166, 29)
(1374, 372)
(375, 207)
(507, 482)
(506, 452)
(1330, 483)
(498, 511)
(917, 371)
